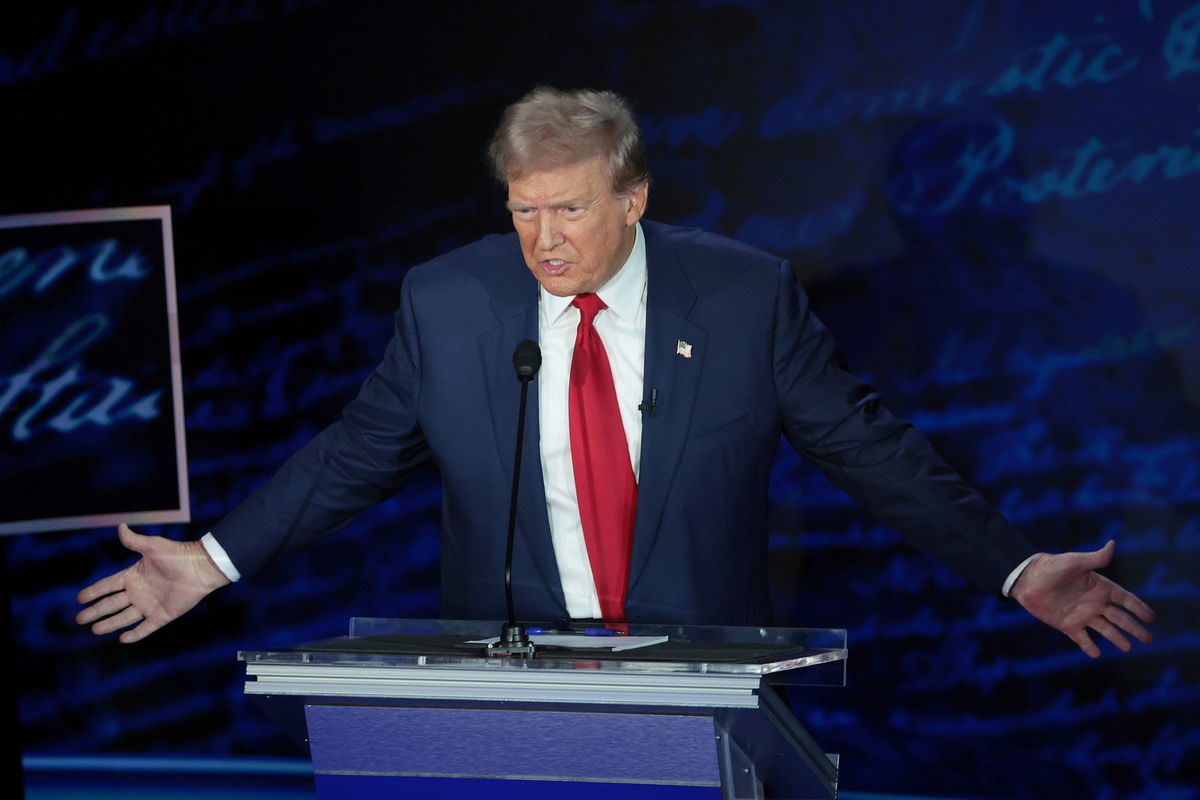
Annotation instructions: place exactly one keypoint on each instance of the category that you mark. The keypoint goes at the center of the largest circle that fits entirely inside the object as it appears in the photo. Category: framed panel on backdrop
(91, 402)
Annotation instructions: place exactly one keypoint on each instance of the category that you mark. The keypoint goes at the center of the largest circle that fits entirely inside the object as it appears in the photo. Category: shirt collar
(622, 293)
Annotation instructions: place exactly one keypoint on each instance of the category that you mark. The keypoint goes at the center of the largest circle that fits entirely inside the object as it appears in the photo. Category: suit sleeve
(362, 459)
(838, 422)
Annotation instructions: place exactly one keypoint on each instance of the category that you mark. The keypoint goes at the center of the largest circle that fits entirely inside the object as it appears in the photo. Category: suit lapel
(517, 313)
(670, 297)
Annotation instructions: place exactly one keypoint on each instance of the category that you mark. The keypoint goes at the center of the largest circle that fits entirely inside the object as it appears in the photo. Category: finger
(113, 583)
(1081, 638)
(140, 632)
(1124, 620)
(103, 608)
(123, 620)
(1129, 600)
(1109, 631)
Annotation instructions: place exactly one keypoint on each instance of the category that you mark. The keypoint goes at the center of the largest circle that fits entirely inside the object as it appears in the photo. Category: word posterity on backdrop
(992, 206)
(91, 422)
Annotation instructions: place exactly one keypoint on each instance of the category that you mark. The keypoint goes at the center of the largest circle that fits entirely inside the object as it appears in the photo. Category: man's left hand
(1065, 592)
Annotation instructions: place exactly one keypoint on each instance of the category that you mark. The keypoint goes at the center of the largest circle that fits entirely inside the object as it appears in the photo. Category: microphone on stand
(514, 640)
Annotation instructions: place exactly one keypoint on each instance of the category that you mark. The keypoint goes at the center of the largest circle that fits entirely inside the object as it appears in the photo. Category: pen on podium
(574, 632)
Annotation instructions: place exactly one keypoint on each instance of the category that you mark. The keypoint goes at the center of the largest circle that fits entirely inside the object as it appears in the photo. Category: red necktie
(604, 479)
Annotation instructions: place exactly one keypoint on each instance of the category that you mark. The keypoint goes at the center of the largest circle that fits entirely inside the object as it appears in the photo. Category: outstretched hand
(166, 582)
(1066, 593)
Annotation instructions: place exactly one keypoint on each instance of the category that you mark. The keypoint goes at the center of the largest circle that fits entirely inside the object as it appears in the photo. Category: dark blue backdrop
(992, 205)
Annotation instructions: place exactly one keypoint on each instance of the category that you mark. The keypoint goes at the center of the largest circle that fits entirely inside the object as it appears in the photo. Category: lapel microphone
(514, 640)
(647, 407)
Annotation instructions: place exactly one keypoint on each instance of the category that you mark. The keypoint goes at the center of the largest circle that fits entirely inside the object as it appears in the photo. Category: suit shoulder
(705, 245)
(716, 266)
(491, 258)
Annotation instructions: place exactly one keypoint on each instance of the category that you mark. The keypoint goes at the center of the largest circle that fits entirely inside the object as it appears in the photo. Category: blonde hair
(550, 128)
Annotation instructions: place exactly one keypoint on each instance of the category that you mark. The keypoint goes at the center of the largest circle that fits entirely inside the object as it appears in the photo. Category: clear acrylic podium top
(789, 656)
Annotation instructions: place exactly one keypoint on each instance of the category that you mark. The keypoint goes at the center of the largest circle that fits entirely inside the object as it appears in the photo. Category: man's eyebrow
(573, 202)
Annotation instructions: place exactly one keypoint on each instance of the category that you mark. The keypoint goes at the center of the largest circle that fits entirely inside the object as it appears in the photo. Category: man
(672, 361)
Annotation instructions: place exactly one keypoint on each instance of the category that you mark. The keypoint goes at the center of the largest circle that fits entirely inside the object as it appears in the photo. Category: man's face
(575, 231)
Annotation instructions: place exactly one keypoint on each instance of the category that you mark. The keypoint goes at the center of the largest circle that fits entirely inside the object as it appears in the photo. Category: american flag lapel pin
(682, 348)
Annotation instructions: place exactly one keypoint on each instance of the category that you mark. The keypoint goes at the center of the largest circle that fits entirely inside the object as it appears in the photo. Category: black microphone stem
(514, 641)
(512, 507)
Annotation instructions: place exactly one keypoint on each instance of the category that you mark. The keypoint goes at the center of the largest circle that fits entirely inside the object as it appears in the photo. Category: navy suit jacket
(760, 364)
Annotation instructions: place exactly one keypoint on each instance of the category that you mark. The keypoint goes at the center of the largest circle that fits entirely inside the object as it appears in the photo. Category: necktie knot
(589, 306)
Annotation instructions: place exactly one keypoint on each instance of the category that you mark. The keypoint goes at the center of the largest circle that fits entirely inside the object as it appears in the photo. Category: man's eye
(523, 213)
(574, 211)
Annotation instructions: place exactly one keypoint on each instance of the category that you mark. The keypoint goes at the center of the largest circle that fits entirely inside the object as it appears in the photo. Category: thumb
(131, 539)
(1099, 558)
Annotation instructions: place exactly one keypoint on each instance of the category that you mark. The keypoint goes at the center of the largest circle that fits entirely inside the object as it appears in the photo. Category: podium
(405, 708)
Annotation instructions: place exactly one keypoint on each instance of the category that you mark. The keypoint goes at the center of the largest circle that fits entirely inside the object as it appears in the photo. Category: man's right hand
(162, 585)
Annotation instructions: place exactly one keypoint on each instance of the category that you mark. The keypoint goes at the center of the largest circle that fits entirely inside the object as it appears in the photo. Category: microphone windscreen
(527, 359)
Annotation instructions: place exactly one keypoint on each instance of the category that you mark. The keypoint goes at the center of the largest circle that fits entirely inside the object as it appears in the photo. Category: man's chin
(558, 285)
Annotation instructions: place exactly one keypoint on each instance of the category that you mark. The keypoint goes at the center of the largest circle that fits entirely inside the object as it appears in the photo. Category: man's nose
(549, 231)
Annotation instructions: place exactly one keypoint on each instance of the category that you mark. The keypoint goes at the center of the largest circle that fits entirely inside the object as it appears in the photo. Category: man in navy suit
(709, 351)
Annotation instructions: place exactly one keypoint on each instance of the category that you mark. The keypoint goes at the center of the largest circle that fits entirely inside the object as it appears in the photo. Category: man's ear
(636, 199)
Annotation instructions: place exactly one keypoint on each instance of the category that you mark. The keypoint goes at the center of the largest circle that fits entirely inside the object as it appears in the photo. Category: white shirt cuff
(221, 558)
(1016, 573)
